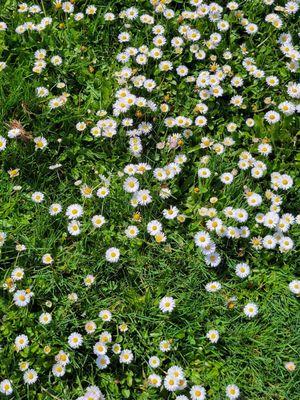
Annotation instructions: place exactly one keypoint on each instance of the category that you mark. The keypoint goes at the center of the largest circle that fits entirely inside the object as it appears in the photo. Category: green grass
(250, 353)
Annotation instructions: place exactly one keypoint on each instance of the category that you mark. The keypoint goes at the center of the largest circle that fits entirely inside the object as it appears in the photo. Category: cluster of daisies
(177, 51)
(272, 219)
(29, 11)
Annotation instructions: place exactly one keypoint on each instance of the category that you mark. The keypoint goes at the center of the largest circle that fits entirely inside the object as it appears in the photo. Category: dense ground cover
(149, 199)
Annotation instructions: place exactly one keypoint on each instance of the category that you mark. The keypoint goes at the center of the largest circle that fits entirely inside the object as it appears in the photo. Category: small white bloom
(55, 209)
(294, 287)
(198, 392)
(102, 361)
(74, 211)
(213, 335)
(154, 362)
(167, 304)
(112, 254)
(232, 392)
(30, 376)
(75, 340)
(37, 197)
(6, 387)
(126, 356)
(242, 270)
(250, 310)
(105, 315)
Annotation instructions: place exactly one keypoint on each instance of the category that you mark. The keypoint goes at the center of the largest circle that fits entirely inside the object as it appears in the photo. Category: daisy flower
(226, 178)
(21, 298)
(154, 380)
(21, 342)
(99, 349)
(165, 346)
(197, 392)
(131, 232)
(45, 318)
(167, 304)
(154, 362)
(171, 383)
(290, 366)
(126, 356)
(17, 274)
(2, 143)
(102, 192)
(112, 255)
(171, 212)
(242, 270)
(74, 228)
(154, 227)
(105, 315)
(232, 392)
(272, 117)
(6, 387)
(294, 286)
(90, 327)
(98, 221)
(102, 361)
(75, 340)
(131, 185)
(202, 239)
(30, 376)
(116, 348)
(213, 335)
(74, 211)
(250, 310)
(37, 197)
(62, 358)
(213, 287)
(47, 259)
(58, 370)
(55, 209)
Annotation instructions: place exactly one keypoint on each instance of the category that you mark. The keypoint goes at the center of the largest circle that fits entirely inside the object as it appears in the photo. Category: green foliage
(250, 353)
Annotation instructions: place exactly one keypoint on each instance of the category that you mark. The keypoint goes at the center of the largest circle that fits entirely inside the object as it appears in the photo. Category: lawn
(149, 200)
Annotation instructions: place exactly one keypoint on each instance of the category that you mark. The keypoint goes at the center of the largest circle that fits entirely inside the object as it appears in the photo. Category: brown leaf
(24, 135)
